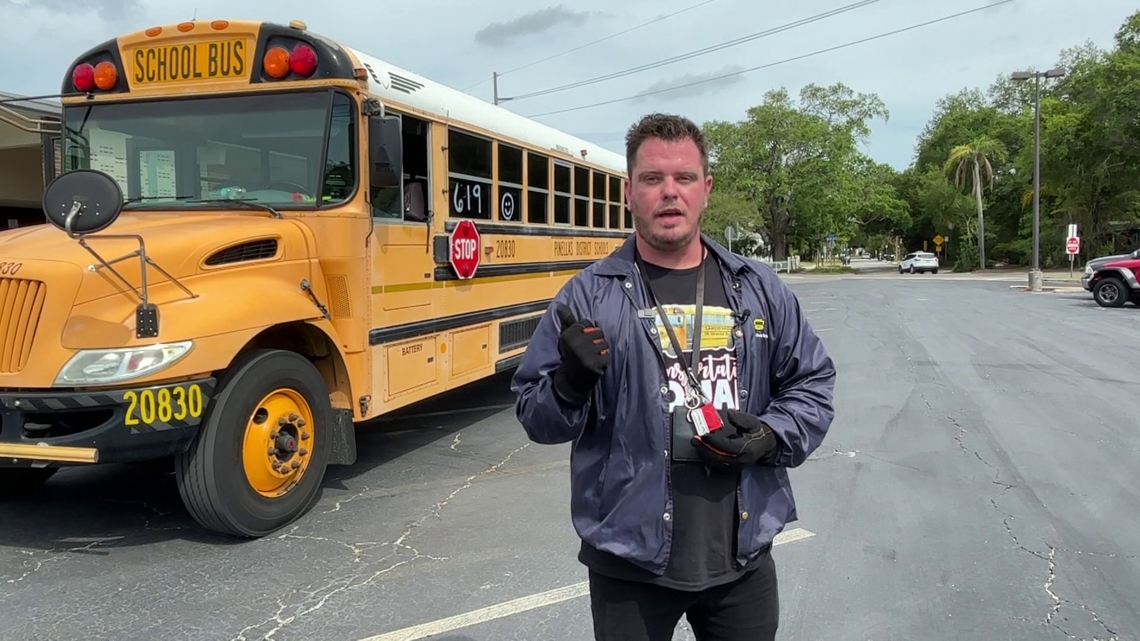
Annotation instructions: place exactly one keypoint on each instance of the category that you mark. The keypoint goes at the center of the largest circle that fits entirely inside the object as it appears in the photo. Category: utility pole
(495, 77)
(1035, 275)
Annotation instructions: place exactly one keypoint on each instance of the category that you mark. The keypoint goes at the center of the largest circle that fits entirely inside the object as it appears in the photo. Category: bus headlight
(92, 366)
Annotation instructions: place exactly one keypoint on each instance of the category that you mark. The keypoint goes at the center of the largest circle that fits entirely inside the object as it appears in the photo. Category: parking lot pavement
(979, 482)
(984, 477)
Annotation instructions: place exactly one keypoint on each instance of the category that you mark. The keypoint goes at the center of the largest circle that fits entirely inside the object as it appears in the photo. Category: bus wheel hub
(272, 457)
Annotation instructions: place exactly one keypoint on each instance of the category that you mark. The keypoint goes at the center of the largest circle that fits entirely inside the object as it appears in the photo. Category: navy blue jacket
(620, 491)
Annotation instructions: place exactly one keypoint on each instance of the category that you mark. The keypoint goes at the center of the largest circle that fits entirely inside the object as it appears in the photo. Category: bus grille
(517, 333)
(21, 302)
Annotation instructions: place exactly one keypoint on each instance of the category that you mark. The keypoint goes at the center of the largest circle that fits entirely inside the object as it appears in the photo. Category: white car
(920, 262)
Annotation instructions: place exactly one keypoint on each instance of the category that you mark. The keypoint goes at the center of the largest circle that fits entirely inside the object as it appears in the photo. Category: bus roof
(387, 82)
(402, 86)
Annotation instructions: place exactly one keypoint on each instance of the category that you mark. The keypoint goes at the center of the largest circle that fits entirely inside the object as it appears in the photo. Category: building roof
(39, 106)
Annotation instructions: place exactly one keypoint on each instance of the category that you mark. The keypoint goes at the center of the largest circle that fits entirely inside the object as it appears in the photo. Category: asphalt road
(980, 481)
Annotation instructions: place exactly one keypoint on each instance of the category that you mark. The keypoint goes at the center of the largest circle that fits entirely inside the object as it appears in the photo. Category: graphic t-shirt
(704, 502)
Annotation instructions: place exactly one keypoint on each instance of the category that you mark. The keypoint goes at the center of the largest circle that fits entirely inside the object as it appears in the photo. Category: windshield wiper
(139, 199)
(248, 202)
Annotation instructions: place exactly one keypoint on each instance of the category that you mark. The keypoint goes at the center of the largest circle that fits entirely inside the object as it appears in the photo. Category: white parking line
(526, 603)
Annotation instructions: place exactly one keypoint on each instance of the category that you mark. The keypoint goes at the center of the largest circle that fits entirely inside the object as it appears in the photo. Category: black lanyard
(694, 396)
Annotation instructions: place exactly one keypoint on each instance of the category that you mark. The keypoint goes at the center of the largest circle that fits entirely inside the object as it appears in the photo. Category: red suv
(1115, 282)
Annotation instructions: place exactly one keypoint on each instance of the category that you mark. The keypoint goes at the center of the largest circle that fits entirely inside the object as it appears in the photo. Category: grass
(832, 269)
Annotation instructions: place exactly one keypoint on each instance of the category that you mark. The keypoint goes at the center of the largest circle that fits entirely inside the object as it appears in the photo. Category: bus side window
(408, 202)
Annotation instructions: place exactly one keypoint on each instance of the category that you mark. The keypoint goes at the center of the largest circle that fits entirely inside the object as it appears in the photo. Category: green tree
(972, 165)
(796, 162)
(1090, 156)
(728, 207)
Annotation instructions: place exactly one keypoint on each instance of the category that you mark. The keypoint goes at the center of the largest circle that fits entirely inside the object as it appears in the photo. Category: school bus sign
(213, 60)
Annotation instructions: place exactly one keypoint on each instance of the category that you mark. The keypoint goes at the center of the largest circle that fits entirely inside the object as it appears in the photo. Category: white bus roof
(414, 90)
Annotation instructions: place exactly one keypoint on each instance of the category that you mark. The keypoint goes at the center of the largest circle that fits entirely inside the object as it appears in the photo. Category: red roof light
(83, 78)
(303, 61)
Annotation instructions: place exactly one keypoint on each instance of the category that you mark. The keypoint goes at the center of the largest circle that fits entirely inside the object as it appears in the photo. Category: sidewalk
(1054, 280)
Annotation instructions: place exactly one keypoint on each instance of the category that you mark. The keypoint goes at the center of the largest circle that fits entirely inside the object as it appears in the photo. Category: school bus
(259, 238)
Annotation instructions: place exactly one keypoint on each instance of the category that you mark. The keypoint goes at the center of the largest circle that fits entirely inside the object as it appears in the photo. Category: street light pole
(1035, 275)
(1036, 178)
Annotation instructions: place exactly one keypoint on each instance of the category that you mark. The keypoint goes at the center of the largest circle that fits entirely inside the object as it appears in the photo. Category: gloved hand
(743, 440)
(585, 356)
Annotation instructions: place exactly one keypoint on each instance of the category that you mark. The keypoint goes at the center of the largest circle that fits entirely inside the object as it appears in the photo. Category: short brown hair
(666, 127)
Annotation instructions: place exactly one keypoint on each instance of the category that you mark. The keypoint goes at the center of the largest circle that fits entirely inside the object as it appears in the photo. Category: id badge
(705, 419)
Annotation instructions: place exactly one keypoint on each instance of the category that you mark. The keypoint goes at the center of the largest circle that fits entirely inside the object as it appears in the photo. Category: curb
(1065, 289)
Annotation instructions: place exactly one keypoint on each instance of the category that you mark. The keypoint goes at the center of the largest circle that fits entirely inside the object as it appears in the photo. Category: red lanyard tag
(705, 419)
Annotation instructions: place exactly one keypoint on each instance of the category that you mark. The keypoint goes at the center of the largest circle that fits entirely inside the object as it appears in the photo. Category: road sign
(730, 233)
(1073, 245)
(1072, 230)
(938, 239)
(463, 249)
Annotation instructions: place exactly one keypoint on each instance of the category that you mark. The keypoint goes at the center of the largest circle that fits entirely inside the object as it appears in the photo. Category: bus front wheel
(261, 453)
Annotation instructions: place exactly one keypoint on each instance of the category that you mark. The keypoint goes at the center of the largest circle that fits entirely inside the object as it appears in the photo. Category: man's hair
(666, 127)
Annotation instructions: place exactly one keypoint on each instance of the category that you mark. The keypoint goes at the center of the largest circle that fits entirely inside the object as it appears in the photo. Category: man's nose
(669, 189)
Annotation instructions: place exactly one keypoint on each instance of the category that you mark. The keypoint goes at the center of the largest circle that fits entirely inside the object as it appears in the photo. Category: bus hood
(183, 244)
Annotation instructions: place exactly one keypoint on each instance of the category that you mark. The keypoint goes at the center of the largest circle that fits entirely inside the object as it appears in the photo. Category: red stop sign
(463, 245)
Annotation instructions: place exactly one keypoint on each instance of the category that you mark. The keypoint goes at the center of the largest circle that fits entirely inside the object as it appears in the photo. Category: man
(679, 482)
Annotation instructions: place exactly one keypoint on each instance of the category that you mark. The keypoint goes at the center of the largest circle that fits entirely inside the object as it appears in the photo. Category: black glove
(743, 440)
(585, 356)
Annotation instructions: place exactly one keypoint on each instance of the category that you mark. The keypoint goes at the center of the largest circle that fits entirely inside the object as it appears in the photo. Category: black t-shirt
(703, 552)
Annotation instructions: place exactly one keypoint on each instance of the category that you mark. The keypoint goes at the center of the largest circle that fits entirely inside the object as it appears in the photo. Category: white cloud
(451, 42)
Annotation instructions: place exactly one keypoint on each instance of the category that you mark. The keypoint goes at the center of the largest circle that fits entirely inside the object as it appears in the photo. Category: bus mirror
(82, 201)
(385, 143)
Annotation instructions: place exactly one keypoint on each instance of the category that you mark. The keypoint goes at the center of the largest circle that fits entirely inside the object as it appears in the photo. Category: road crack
(1049, 558)
(958, 438)
(402, 552)
(40, 558)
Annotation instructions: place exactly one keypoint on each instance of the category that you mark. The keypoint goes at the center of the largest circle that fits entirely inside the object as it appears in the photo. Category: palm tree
(975, 159)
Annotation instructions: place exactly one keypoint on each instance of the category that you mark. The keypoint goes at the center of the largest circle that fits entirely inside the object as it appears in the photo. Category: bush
(833, 269)
(967, 257)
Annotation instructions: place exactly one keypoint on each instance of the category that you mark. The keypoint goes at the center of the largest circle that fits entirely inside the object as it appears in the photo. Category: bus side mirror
(386, 151)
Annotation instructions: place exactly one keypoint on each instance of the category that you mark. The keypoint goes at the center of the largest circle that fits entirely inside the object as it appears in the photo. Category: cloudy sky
(461, 43)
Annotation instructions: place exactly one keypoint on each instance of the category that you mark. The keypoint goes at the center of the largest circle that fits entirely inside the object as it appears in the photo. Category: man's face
(667, 192)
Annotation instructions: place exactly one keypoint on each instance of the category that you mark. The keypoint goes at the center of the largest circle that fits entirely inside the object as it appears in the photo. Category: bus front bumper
(101, 426)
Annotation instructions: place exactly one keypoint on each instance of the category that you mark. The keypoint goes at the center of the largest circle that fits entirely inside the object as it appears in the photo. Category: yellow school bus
(257, 238)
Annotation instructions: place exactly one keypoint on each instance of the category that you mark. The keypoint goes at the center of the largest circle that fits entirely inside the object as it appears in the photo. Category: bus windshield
(200, 152)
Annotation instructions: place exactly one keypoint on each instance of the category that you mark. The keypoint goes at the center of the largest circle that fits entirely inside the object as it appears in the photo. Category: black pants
(745, 610)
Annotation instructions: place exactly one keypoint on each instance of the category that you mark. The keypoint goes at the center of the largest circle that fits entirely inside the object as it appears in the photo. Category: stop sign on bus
(464, 249)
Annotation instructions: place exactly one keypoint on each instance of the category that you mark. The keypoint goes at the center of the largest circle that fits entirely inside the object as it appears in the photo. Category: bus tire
(261, 453)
